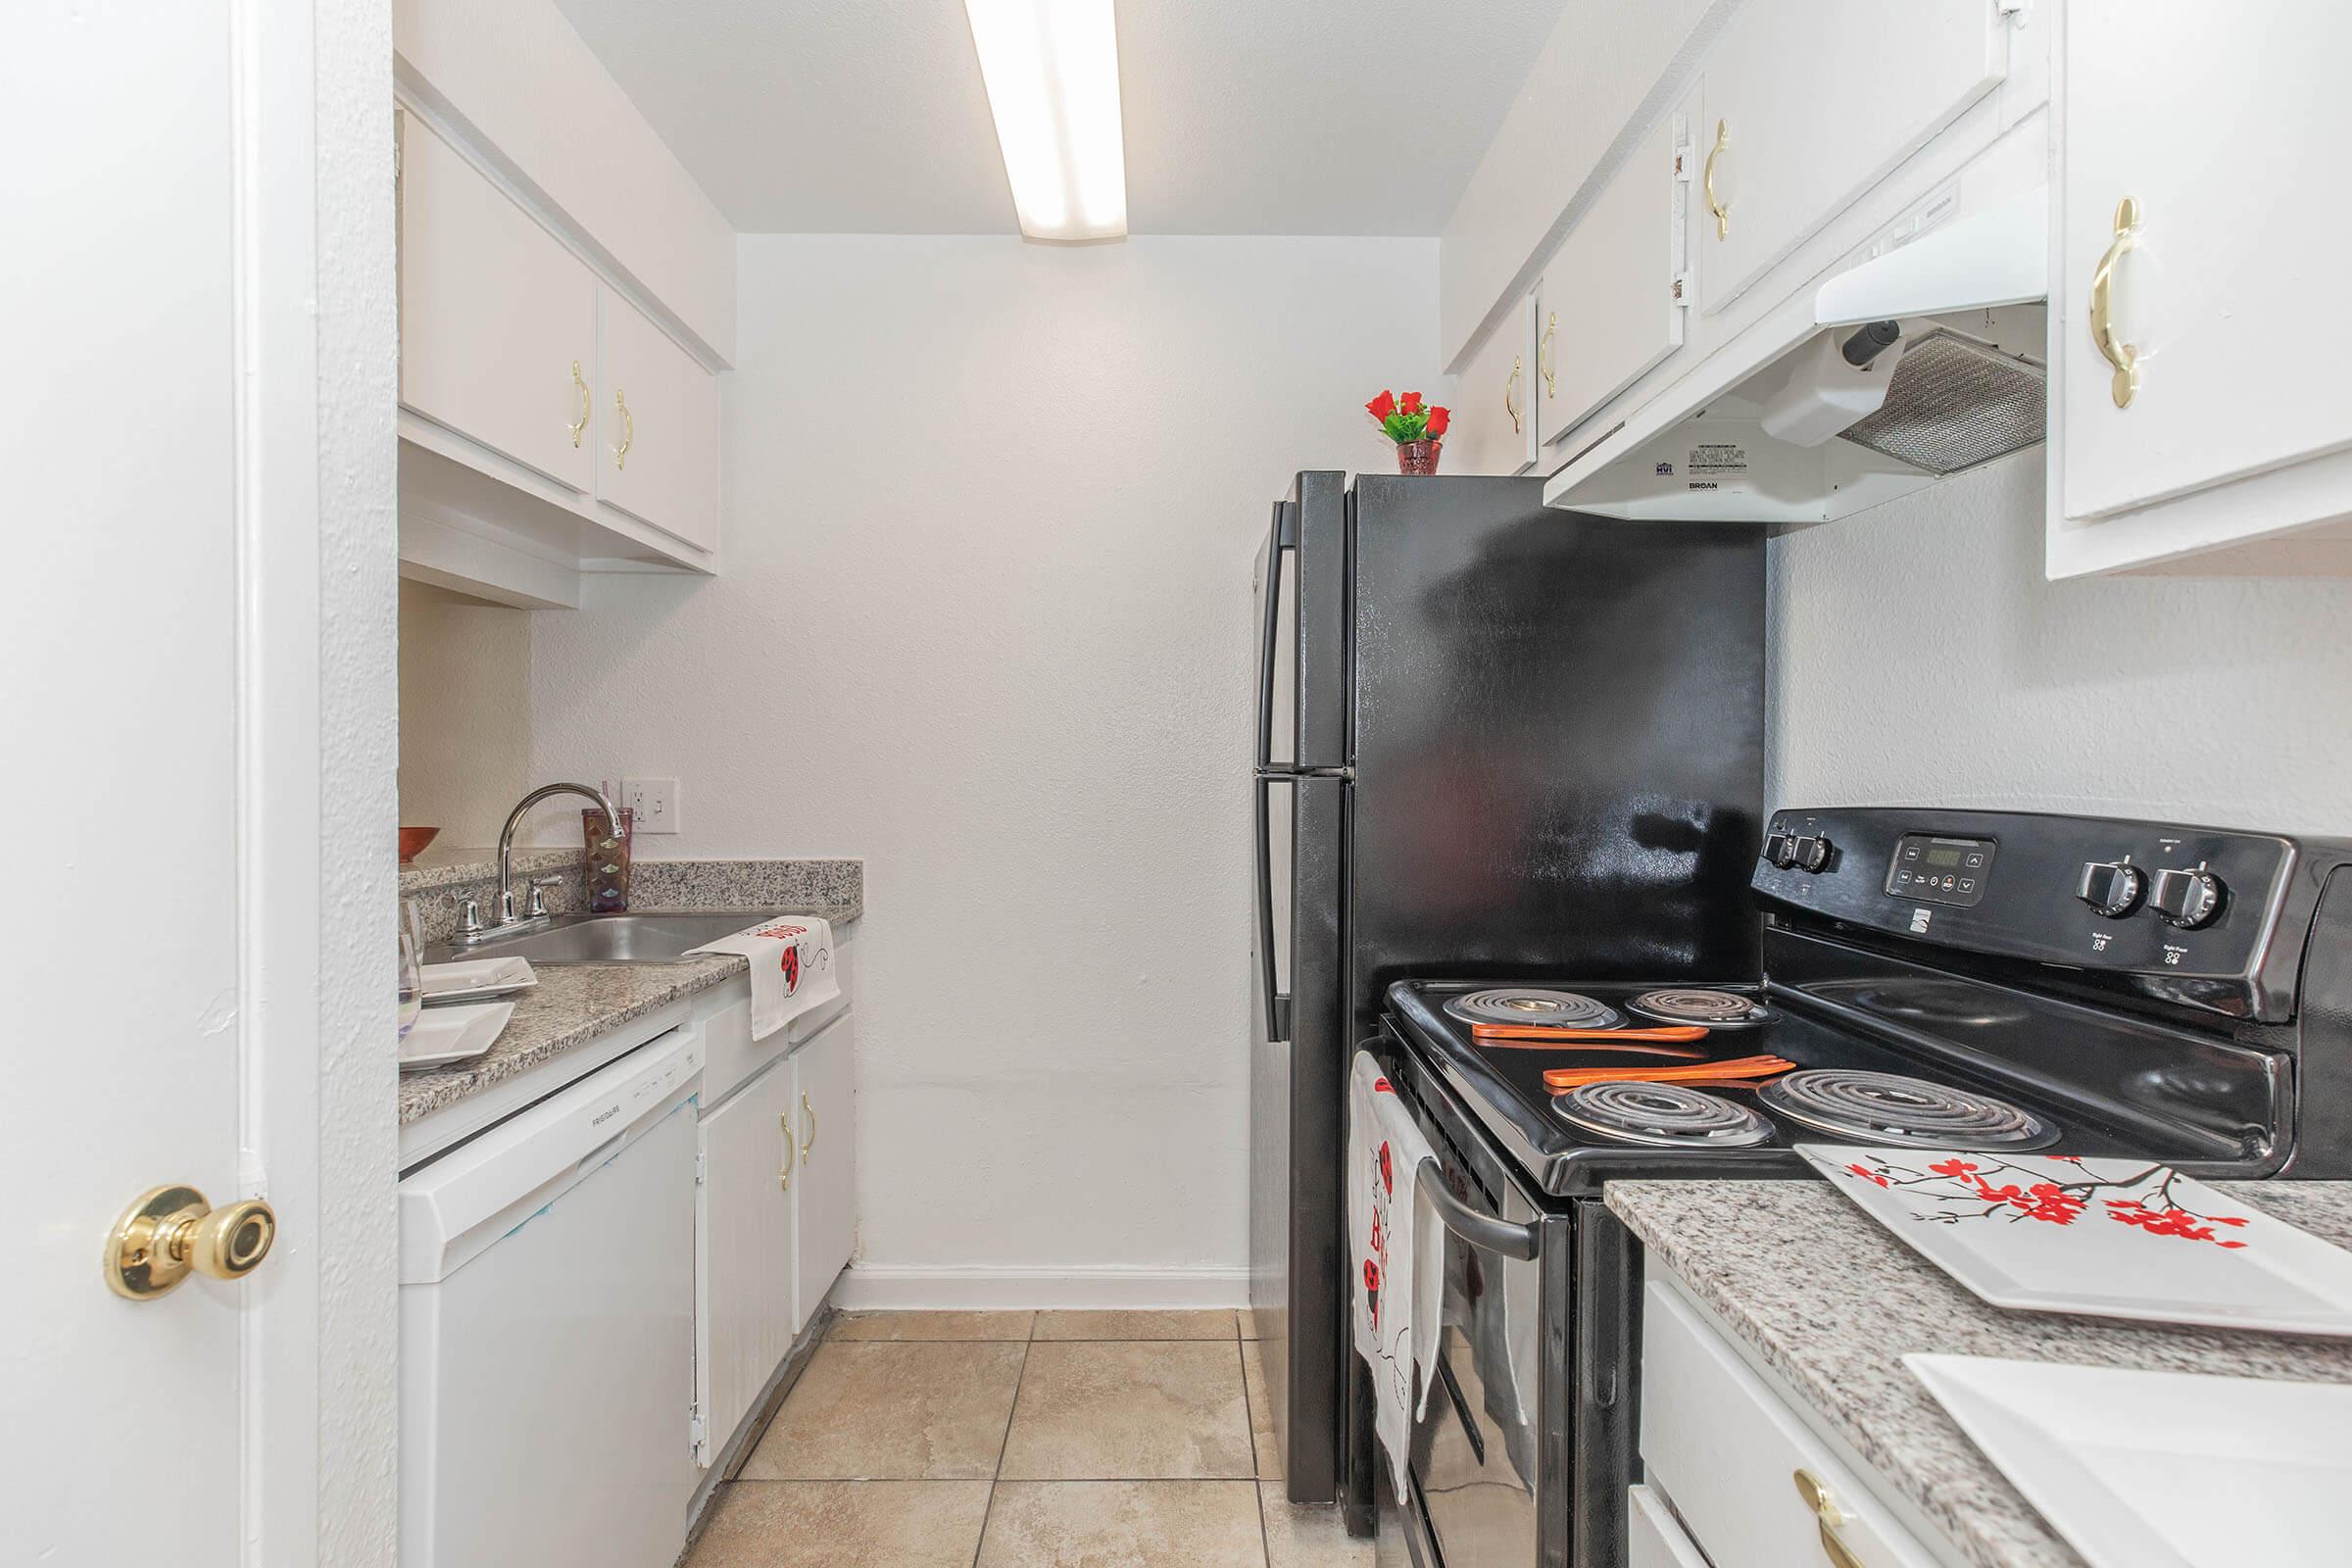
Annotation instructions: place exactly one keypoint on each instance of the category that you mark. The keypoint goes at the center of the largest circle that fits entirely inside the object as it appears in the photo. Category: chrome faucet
(507, 918)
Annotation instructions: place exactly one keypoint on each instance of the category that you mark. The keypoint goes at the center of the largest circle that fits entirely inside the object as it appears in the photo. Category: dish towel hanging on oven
(1394, 1257)
(792, 969)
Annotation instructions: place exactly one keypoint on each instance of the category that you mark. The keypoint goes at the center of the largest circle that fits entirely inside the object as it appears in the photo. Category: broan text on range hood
(1914, 366)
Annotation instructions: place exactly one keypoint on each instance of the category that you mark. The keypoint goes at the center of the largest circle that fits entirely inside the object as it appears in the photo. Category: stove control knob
(1781, 849)
(2112, 887)
(1812, 852)
(2188, 899)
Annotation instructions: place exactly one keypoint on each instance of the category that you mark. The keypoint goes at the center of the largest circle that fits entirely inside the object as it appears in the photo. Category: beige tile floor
(1026, 1439)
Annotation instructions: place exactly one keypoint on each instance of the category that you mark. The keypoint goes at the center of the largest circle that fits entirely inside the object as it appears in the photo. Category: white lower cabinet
(775, 1216)
(825, 1231)
(1653, 1536)
(745, 1253)
(1753, 1486)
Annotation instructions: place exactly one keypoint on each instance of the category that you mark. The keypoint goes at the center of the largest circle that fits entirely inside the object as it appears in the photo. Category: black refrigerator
(1492, 739)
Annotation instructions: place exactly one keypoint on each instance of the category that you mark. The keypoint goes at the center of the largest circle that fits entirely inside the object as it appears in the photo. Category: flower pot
(1417, 457)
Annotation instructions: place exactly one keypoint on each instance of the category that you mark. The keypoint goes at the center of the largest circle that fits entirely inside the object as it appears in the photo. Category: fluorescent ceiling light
(1052, 73)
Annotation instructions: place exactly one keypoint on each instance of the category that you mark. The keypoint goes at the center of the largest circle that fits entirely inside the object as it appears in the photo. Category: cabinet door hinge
(1679, 288)
(695, 1427)
(699, 1157)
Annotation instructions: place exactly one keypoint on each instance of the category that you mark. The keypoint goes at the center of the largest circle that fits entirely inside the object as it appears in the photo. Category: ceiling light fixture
(1052, 73)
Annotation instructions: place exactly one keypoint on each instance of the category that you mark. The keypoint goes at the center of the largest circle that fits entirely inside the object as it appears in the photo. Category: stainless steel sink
(654, 938)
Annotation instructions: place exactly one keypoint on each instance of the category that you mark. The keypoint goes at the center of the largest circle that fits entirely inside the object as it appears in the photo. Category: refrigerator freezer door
(1303, 678)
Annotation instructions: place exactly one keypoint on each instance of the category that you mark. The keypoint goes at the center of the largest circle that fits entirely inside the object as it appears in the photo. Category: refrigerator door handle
(1480, 1230)
(1278, 1002)
(1283, 536)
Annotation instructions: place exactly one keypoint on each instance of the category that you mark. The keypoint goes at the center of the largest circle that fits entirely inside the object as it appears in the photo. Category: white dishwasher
(547, 1328)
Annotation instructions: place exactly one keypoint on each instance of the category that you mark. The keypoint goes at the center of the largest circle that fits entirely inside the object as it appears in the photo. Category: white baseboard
(894, 1286)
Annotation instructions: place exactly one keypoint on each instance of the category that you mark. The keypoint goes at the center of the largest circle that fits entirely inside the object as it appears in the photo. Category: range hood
(1914, 366)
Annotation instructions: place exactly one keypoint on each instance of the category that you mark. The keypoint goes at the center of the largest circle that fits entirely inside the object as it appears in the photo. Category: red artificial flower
(1436, 423)
(1381, 407)
(1410, 403)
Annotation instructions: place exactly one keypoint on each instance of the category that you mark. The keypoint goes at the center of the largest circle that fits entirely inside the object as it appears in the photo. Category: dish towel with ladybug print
(792, 969)
(1396, 1257)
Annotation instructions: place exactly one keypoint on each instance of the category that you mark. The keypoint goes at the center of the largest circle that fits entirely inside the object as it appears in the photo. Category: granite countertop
(574, 1003)
(570, 1006)
(1831, 1302)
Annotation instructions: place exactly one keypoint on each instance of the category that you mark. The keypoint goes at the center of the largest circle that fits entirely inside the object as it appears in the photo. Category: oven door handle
(1480, 1230)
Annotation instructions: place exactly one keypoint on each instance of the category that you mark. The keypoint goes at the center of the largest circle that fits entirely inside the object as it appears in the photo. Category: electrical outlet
(653, 803)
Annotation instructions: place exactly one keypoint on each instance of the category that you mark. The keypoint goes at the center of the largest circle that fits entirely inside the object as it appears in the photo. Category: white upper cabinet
(1807, 104)
(1494, 419)
(498, 320)
(1611, 304)
(658, 419)
(2213, 418)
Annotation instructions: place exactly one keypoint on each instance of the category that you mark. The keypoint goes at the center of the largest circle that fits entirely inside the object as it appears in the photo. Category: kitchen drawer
(1730, 1453)
(1653, 1536)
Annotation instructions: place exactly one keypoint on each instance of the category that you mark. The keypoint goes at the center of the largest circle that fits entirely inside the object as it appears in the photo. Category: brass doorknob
(171, 1231)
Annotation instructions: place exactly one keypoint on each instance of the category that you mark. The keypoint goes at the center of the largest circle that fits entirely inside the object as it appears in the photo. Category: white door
(195, 504)
(659, 414)
(744, 1318)
(825, 1203)
(1810, 103)
(2217, 128)
(1494, 425)
(1611, 302)
(498, 320)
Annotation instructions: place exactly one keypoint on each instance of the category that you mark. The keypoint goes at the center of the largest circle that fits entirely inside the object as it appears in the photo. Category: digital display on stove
(1940, 869)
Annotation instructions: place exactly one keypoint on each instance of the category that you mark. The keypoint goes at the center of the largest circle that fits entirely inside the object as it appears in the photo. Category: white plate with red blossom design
(2104, 1238)
(2162, 1469)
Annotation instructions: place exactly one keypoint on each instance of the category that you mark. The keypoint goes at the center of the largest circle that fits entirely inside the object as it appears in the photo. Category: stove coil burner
(1662, 1115)
(1718, 1009)
(1528, 1004)
(1885, 1106)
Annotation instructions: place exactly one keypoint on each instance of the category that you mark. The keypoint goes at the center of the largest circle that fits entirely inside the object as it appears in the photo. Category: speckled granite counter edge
(571, 1004)
(1830, 1302)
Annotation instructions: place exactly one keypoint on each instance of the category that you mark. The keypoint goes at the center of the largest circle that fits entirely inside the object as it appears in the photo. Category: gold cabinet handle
(1510, 393)
(581, 423)
(1720, 207)
(171, 1232)
(784, 1176)
(810, 1142)
(1829, 1517)
(629, 429)
(2121, 356)
(1546, 363)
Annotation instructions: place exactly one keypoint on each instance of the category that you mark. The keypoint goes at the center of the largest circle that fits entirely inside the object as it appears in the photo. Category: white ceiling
(1244, 117)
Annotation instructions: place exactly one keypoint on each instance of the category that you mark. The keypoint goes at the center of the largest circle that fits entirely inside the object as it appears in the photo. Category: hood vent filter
(1955, 403)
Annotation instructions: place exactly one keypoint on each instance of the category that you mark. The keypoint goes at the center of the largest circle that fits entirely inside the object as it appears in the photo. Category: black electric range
(1930, 979)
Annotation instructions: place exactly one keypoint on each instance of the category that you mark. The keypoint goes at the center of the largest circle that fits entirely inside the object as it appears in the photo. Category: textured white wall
(1920, 656)
(985, 620)
(356, 1355)
(465, 713)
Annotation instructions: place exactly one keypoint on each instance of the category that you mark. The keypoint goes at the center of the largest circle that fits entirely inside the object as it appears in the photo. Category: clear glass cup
(411, 966)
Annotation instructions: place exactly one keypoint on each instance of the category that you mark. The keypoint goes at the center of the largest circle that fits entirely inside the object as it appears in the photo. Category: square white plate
(2107, 1237)
(2162, 1469)
(477, 979)
(445, 1035)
